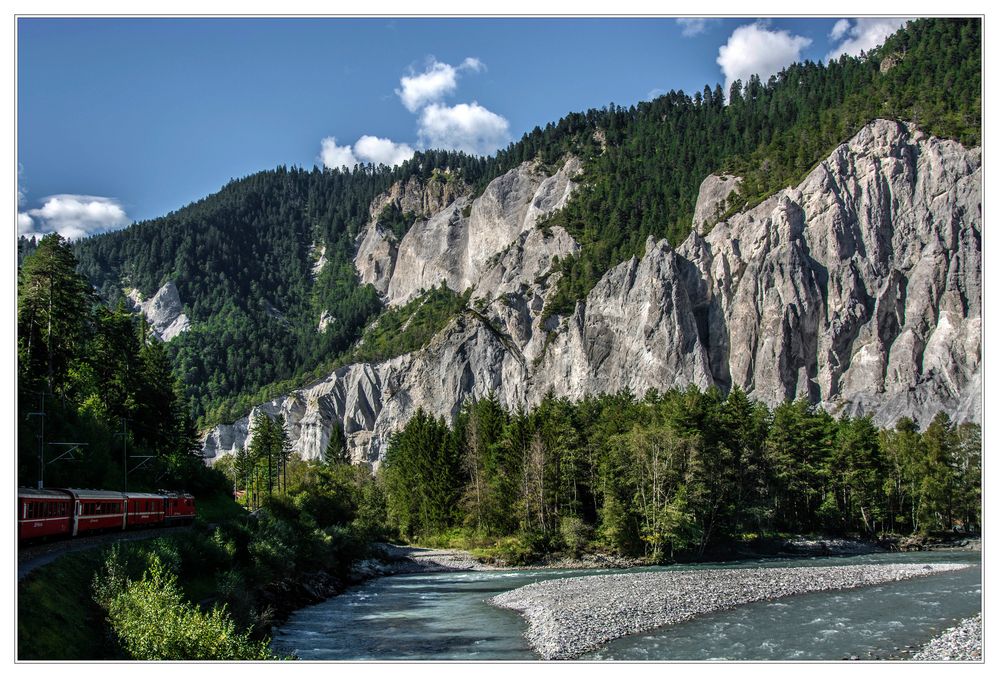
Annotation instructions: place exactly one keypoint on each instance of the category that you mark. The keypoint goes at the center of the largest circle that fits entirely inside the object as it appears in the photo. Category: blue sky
(127, 119)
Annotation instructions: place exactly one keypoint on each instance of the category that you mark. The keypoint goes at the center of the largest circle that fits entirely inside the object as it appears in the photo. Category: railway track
(33, 556)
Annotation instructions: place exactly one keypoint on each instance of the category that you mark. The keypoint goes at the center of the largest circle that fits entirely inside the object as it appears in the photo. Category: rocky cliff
(164, 311)
(859, 289)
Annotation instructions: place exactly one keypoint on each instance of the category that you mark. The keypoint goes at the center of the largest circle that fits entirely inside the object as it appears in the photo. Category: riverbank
(568, 617)
(961, 643)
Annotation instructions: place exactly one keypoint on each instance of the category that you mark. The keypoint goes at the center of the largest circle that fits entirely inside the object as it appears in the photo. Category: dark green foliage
(25, 246)
(101, 381)
(336, 449)
(676, 474)
(54, 307)
(261, 469)
(395, 220)
(423, 476)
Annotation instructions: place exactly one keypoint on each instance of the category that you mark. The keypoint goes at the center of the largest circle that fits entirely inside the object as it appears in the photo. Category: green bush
(152, 620)
(576, 534)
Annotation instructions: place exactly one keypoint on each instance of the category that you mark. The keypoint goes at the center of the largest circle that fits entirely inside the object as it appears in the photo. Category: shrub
(576, 534)
(152, 620)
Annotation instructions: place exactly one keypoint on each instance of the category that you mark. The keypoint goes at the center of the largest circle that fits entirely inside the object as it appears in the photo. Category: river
(445, 616)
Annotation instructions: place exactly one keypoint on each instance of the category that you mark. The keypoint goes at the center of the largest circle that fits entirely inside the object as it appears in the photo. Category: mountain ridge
(796, 297)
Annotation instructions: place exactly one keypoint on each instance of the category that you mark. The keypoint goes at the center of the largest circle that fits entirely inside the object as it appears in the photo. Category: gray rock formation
(859, 289)
(164, 311)
(377, 247)
(711, 197)
(459, 243)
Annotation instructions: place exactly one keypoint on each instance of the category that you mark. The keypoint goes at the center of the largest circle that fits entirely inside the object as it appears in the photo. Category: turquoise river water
(445, 616)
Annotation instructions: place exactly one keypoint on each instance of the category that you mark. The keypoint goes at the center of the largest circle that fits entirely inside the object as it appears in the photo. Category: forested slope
(243, 258)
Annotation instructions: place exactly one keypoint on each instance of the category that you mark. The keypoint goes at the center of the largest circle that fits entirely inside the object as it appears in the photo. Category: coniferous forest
(96, 392)
(674, 474)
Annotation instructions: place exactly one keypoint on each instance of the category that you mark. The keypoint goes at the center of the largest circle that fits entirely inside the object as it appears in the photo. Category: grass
(56, 616)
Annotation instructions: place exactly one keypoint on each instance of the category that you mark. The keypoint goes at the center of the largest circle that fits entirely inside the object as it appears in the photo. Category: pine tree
(54, 306)
(336, 452)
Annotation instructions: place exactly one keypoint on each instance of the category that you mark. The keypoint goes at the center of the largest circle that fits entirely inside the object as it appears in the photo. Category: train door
(76, 516)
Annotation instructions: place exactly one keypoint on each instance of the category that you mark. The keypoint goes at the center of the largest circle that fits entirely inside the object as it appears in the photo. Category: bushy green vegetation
(152, 620)
(212, 591)
(409, 327)
(672, 474)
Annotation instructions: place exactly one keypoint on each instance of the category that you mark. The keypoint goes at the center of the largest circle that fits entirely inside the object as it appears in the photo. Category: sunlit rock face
(858, 289)
(164, 311)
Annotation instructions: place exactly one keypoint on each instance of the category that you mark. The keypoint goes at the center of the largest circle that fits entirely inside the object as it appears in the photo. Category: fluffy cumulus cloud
(366, 149)
(382, 151)
(335, 156)
(861, 35)
(73, 216)
(433, 84)
(693, 26)
(464, 127)
(755, 49)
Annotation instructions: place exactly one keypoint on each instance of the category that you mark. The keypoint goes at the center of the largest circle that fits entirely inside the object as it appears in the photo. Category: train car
(144, 510)
(97, 510)
(179, 508)
(43, 513)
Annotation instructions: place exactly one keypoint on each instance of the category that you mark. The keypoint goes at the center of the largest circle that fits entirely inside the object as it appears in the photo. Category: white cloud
(693, 26)
(382, 151)
(465, 127)
(334, 156)
(863, 35)
(366, 149)
(472, 64)
(433, 84)
(839, 29)
(73, 216)
(754, 49)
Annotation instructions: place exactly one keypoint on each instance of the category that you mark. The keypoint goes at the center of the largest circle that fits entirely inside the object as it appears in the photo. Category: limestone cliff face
(377, 248)
(164, 311)
(457, 242)
(859, 289)
(711, 197)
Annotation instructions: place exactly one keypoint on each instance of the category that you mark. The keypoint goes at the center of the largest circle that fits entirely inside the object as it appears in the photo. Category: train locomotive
(58, 512)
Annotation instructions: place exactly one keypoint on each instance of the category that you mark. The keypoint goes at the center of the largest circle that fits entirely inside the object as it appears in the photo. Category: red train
(71, 512)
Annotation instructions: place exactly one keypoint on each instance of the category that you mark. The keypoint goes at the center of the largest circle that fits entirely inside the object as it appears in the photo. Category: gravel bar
(962, 643)
(567, 617)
